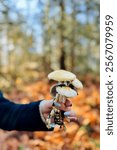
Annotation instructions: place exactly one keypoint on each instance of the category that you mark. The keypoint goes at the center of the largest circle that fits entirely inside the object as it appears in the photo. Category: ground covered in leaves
(84, 137)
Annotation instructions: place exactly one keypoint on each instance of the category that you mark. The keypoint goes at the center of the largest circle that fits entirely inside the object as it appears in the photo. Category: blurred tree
(62, 37)
(46, 26)
(54, 34)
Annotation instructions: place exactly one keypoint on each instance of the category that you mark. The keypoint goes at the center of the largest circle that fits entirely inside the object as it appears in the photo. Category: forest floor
(84, 137)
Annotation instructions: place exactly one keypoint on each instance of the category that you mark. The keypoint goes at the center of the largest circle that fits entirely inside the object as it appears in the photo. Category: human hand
(46, 107)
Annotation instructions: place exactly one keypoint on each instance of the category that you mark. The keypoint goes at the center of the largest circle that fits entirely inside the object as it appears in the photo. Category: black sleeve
(22, 117)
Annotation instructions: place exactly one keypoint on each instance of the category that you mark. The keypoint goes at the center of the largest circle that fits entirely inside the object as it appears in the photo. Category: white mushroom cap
(66, 91)
(61, 75)
(77, 84)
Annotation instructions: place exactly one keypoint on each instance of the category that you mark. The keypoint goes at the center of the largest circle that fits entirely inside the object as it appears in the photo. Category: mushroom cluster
(66, 87)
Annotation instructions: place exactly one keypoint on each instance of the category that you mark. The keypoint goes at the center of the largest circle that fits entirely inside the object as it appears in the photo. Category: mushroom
(77, 84)
(66, 86)
(61, 76)
(66, 91)
(64, 78)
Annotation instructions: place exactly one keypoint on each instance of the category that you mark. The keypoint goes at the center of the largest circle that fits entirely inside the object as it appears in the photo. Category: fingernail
(67, 113)
(57, 104)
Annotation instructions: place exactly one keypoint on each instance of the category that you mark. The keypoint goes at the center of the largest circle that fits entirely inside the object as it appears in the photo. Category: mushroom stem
(60, 98)
(57, 97)
(63, 99)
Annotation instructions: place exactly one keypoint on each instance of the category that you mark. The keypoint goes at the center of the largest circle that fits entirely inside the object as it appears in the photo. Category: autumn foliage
(76, 137)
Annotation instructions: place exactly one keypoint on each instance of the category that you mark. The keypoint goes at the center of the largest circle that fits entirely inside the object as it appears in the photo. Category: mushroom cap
(66, 91)
(77, 84)
(61, 75)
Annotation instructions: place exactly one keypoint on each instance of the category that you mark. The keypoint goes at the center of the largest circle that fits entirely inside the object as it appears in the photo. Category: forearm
(25, 117)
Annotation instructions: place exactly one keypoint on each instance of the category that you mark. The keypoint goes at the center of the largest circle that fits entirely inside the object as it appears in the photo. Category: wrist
(41, 113)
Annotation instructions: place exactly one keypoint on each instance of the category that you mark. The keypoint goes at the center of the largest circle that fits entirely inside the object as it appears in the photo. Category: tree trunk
(73, 36)
(62, 47)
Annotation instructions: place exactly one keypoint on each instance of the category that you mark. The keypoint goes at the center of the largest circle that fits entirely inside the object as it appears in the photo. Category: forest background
(37, 37)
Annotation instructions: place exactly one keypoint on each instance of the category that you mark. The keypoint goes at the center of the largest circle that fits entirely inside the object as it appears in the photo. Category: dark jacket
(22, 117)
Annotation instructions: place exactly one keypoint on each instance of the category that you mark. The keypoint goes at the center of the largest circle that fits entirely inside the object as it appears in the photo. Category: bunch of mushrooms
(66, 87)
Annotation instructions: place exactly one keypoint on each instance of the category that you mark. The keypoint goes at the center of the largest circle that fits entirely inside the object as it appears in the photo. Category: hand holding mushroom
(46, 106)
(66, 87)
